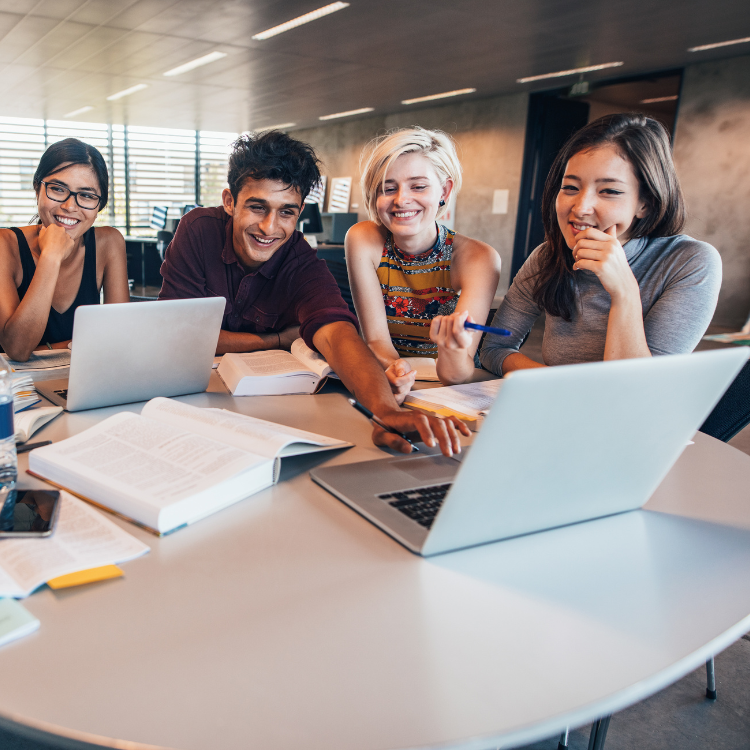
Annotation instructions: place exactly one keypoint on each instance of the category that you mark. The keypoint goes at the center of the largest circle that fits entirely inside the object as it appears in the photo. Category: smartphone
(28, 513)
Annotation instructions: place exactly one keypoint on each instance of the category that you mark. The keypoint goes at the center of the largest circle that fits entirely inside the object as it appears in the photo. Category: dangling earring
(441, 204)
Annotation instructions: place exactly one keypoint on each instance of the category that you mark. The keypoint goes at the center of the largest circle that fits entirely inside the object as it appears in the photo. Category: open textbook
(173, 464)
(469, 402)
(83, 539)
(27, 422)
(274, 373)
(49, 365)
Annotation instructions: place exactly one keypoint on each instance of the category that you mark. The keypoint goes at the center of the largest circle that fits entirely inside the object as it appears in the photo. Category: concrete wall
(712, 154)
(490, 138)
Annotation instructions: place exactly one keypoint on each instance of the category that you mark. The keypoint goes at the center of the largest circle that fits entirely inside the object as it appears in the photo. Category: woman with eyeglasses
(49, 269)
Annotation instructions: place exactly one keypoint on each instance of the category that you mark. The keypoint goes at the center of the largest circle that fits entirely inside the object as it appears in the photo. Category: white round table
(289, 621)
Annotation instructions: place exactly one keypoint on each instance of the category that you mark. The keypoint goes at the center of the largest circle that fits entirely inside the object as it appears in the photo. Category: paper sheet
(83, 539)
(470, 399)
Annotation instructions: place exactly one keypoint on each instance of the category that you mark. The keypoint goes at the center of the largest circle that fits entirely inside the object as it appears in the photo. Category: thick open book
(469, 402)
(83, 538)
(173, 464)
(274, 373)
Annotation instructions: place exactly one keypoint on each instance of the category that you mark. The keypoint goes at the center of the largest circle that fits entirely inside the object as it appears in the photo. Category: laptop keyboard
(421, 505)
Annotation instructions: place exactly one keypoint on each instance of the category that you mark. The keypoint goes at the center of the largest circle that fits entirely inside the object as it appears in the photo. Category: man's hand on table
(432, 431)
(363, 376)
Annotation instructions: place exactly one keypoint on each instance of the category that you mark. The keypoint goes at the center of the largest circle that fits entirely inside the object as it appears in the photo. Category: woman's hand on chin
(448, 331)
(602, 254)
(55, 242)
(401, 377)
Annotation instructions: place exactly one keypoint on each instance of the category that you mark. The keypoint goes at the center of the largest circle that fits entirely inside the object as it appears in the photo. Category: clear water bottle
(8, 460)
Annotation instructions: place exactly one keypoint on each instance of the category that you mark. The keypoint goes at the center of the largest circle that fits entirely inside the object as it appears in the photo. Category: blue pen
(489, 329)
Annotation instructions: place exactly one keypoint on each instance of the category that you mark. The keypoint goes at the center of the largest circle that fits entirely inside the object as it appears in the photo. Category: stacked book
(48, 365)
(24, 393)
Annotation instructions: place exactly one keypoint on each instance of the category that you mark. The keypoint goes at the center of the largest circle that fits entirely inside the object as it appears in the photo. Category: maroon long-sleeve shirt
(294, 287)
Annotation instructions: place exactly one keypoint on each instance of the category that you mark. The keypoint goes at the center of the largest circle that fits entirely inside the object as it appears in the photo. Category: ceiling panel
(59, 55)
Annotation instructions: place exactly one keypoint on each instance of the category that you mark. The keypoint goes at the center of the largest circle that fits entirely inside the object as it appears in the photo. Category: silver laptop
(560, 445)
(130, 352)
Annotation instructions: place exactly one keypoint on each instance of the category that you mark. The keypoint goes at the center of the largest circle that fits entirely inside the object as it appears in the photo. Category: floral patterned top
(415, 289)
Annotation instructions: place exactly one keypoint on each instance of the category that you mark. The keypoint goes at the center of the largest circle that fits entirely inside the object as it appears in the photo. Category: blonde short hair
(381, 152)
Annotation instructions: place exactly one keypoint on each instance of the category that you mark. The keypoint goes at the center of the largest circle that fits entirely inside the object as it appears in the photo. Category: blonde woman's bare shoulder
(365, 237)
(472, 250)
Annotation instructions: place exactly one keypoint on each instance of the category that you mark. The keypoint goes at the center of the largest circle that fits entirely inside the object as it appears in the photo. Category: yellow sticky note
(85, 576)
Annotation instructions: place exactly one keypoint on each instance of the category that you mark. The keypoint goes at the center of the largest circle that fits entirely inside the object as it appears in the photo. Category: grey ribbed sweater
(679, 279)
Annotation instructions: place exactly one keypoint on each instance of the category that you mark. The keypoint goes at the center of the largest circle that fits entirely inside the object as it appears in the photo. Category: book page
(150, 462)
(249, 433)
(426, 368)
(82, 539)
(42, 360)
(28, 422)
(311, 359)
(470, 399)
(273, 362)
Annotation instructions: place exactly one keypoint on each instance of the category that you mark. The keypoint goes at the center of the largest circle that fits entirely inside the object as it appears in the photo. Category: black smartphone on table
(28, 513)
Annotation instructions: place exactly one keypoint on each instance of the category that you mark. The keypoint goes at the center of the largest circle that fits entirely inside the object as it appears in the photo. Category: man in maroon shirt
(276, 289)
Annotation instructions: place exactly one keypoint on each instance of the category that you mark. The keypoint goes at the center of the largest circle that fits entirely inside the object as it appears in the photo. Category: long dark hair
(644, 142)
(71, 151)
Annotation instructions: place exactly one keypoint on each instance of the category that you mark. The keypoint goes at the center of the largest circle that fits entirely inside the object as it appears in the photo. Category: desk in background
(144, 263)
(335, 259)
(288, 621)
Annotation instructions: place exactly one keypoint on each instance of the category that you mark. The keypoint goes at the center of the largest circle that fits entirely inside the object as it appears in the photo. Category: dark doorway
(555, 115)
(551, 121)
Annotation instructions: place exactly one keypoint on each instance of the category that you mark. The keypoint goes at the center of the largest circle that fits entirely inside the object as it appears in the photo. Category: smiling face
(409, 203)
(599, 190)
(69, 215)
(264, 216)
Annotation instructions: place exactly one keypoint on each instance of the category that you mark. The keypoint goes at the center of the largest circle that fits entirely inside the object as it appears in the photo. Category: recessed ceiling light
(719, 44)
(571, 72)
(127, 92)
(444, 95)
(657, 99)
(78, 112)
(282, 126)
(347, 114)
(205, 60)
(313, 15)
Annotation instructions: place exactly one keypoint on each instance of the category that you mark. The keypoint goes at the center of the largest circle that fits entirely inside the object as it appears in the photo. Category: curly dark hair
(644, 143)
(273, 155)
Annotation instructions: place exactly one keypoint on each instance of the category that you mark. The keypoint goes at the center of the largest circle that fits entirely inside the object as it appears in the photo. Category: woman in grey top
(614, 275)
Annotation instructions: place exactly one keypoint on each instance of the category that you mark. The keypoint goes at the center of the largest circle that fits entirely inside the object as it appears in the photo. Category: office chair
(729, 416)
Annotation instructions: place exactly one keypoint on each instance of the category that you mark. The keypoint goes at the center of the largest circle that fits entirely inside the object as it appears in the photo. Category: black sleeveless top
(60, 325)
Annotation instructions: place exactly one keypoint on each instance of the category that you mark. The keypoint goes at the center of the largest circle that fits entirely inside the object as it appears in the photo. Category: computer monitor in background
(189, 207)
(309, 220)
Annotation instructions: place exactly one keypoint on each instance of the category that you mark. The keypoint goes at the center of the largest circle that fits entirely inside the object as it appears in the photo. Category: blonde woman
(414, 281)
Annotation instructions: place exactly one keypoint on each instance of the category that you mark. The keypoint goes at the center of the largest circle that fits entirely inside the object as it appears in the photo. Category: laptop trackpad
(427, 468)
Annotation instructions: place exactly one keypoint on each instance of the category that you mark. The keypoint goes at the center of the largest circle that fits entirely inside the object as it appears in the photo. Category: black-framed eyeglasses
(59, 193)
